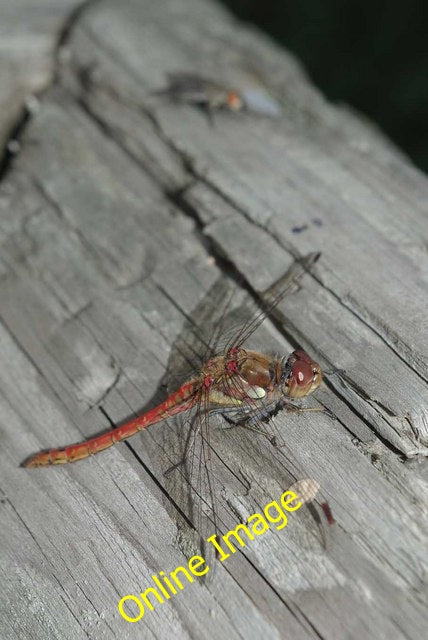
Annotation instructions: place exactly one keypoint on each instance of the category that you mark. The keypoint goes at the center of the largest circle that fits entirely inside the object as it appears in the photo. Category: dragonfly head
(302, 375)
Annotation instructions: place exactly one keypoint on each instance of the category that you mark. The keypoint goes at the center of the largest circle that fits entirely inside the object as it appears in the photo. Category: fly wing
(188, 87)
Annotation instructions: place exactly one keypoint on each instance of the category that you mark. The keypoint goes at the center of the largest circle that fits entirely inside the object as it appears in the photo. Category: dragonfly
(245, 386)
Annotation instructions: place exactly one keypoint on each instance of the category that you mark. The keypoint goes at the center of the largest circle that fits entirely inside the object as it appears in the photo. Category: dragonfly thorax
(256, 375)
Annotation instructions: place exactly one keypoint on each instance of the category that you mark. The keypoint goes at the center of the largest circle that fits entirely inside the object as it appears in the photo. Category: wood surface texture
(125, 223)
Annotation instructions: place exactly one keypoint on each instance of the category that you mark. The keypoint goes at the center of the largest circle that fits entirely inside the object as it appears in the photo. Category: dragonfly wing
(191, 482)
(270, 298)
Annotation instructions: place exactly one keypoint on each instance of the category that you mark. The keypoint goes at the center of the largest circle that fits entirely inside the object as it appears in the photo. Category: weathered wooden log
(126, 221)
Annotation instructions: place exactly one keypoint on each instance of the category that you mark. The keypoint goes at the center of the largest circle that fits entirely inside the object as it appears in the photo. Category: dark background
(373, 56)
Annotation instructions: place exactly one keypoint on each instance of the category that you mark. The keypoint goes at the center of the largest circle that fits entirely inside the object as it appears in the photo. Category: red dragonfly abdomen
(181, 400)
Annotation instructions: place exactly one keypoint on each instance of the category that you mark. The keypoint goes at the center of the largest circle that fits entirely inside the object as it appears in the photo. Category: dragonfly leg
(244, 416)
(269, 436)
(301, 409)
(273, 439)
(335, 372)
(313, 409)
(247, 423)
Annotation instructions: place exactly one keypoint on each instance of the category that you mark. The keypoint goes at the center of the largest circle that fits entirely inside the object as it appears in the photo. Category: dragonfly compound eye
(302, 373)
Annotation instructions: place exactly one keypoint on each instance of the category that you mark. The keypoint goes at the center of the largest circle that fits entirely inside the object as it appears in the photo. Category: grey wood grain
(125, 224)
(30, 33)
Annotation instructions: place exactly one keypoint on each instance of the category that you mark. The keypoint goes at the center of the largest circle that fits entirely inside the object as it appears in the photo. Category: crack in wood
(18, 129)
